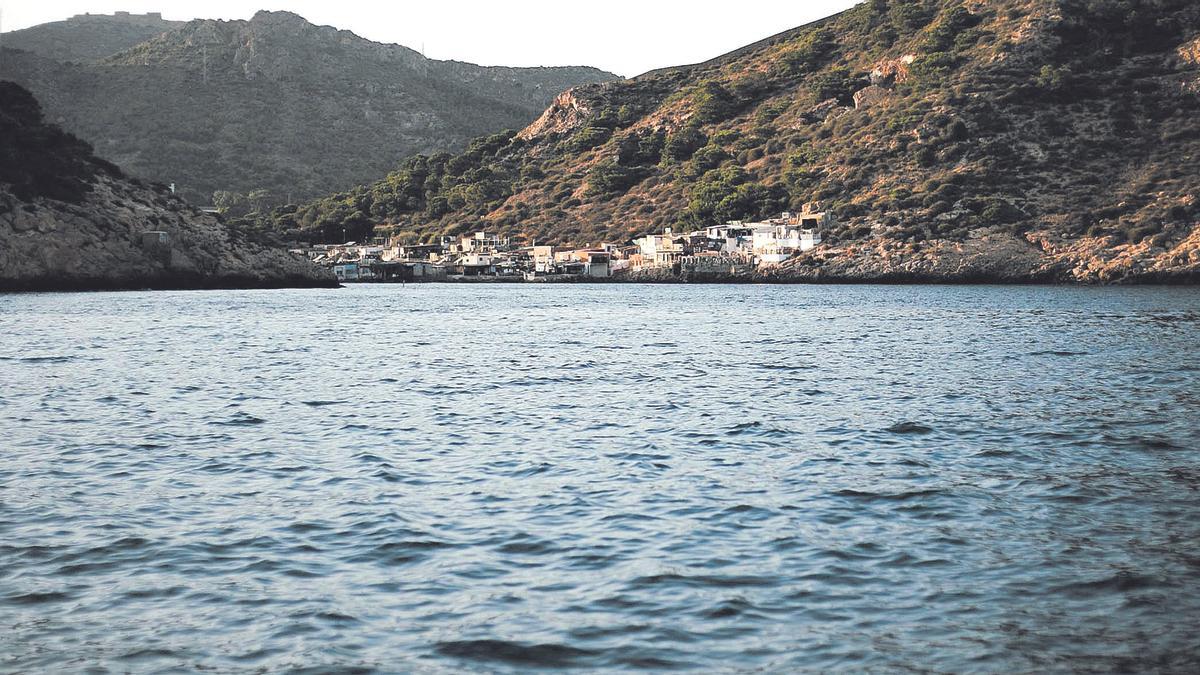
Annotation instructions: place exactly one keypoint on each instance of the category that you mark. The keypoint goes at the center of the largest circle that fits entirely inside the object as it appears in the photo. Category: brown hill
(1009, 139)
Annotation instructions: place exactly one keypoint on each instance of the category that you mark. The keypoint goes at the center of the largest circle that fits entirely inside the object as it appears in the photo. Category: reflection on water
(447, 478)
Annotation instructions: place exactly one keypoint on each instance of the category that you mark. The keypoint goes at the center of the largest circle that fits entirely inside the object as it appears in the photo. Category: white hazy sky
(627, 37)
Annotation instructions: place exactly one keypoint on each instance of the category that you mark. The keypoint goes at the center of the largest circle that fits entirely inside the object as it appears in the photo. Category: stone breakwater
(101, 244)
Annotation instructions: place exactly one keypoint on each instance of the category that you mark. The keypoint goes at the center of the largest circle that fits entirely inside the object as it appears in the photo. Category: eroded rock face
(1190, 52)
(565, 114)
(892, 71)
(869, 96)
(824, 111)
(49, 245)
(1034, 39)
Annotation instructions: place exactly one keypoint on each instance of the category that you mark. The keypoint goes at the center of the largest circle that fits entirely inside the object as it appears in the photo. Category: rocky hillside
(954, 139)
(69, 220)
(276, 107)
(89, 37)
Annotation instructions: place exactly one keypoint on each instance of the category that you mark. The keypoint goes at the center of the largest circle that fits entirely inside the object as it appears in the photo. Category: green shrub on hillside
(609, 178)
(641, 149)
(945, 32)
(910, 15)
(713, 102)
(837, 83)
(681, 145)
(807, 54)
(588, 137)
(704, 160)
(931, 71)
(727, 194)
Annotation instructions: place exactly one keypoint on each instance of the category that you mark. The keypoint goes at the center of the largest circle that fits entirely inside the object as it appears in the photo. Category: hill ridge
(1062, 129)
(88, 37)
(276, 105)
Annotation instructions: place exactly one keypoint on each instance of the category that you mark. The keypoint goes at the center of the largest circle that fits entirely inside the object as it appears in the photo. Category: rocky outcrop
(1039, 257)
(892, 71)
(102, 243)
(1190, 52)
(71, 221)
(869, 96)
(566, 114)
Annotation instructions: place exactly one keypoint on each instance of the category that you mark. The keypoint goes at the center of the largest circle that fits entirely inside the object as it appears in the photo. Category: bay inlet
(478, 478)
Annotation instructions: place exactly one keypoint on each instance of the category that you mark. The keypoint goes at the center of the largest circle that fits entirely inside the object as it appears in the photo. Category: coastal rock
(995, 257)
(75, 222)
(987, 257)
(50, 249)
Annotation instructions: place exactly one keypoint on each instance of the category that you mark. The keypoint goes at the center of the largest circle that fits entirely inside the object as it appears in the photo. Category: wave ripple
(601, 479)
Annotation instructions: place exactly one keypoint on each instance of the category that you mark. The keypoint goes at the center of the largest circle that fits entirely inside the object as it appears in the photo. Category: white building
(661, 249)
(809, 239)
(780, 239)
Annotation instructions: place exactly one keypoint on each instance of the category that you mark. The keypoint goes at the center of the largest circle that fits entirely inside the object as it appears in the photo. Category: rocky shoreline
(987, 258)
(72, 221)
(101, 244)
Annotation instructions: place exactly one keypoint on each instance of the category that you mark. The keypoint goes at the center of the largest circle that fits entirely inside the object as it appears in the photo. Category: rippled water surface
(602, 478)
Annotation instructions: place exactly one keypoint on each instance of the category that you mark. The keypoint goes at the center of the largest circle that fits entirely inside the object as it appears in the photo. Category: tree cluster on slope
(965, 133)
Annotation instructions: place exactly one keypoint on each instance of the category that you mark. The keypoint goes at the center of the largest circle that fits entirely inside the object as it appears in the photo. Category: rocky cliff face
(71, 221)
(277, 105)
(566, 114)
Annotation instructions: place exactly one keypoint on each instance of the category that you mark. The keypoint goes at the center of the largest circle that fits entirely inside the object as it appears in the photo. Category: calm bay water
(719, 479)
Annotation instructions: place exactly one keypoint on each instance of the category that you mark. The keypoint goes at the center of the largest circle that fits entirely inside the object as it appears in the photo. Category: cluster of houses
(730, 247)
(478, 255)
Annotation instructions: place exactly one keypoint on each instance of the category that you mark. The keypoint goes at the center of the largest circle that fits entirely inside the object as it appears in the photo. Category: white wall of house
(597, 269)
(809, 239)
